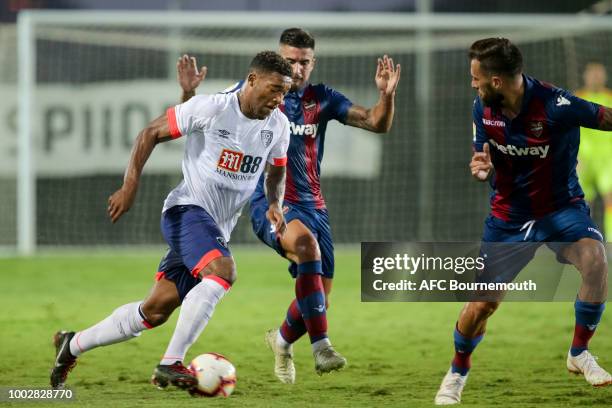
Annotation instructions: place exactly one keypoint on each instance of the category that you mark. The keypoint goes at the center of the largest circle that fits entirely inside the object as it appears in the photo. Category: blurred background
(98, 78)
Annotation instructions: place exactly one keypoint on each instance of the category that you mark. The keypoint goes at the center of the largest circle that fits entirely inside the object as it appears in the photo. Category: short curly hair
(270, 61)
(497, 56)
(298, 38)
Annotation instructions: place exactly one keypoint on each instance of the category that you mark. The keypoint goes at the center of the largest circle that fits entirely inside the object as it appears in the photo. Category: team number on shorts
(237, 161)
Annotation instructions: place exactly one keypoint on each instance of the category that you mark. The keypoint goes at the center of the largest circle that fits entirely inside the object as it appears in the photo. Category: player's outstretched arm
(188, 76)
(122, 199)
(275, 192)
(379, 118)
(481, 164)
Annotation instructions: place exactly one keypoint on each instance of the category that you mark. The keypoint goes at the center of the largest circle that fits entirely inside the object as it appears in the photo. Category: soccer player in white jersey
(231, 138)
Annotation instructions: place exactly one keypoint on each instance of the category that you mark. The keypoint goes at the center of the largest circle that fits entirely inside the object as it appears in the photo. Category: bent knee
(224, 267)
(485, 309)
(156, 315)
(307, 248)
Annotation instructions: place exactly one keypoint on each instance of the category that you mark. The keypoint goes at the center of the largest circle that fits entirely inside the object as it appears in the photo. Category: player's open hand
(277, 219)
(187, 73)
(387, 75)
(481, 164)
(120, 202)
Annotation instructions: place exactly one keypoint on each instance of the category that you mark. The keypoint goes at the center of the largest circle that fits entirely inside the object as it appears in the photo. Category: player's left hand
(187, 73)
(277, 219)
(387, 75)
(120, 202)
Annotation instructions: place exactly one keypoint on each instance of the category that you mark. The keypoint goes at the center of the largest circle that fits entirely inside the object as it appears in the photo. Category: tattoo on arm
(606, 119)
(275, 184)
(377, 119)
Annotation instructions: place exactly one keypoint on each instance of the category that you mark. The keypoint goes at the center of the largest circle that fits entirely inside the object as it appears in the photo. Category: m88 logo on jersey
(233, 161)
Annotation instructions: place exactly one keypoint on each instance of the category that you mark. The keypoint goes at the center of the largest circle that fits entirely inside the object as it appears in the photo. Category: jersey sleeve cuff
(279, 161)
(172, 123)
(600, 115)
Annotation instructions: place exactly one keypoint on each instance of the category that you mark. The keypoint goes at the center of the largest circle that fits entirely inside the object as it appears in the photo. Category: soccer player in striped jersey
(527, 134)
(231, 139)
(308, 243)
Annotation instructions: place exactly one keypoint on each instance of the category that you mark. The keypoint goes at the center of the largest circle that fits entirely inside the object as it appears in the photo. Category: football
(216, 375)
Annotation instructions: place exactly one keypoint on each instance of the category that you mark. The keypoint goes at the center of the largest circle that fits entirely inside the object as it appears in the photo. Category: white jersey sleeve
(278, 152)
(193, 114)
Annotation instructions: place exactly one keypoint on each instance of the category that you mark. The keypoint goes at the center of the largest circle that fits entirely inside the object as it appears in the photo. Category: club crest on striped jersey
(536, 128)
(266, 137)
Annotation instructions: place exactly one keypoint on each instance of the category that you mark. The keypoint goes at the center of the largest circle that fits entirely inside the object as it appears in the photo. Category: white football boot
(451, 388)
(283, 358)
(327, 360)
(585, 363)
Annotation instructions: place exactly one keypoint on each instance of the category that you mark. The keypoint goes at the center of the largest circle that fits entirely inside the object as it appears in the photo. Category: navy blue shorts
(508, 246)
(195, 241)
(316, 220)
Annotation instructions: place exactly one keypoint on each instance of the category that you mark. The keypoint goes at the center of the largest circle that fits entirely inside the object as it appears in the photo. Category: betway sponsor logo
(496, 123)
(303, 130)
(537, 151)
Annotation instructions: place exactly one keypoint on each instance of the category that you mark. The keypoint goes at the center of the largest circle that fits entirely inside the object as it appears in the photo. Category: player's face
(268, 92)
(595, 77)
(486, 85)
(302, 62)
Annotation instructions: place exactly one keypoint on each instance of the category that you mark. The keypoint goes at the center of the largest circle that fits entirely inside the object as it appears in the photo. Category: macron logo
(304, 130)
(561, 101)
(496, 123)
(537, 151)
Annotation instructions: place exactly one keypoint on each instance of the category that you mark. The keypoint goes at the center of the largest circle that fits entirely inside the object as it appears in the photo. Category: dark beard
(494, 101)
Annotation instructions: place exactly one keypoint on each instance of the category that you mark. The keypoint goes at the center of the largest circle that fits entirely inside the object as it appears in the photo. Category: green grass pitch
(397, 352)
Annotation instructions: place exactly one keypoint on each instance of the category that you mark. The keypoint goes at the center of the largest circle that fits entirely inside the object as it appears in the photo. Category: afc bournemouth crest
(266, 137)
(536, 128)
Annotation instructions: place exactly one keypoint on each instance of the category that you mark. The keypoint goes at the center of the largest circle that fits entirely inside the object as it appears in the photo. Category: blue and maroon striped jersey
(534, 154)
(308, 111)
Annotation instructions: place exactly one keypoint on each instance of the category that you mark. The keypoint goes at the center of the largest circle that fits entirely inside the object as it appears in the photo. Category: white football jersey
(225, 154)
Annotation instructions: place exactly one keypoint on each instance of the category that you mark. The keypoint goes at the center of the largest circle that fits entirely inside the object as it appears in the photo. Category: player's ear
(496, 82)
(251, 78)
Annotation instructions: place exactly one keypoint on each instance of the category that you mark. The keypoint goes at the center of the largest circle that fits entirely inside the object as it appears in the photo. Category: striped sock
(293, 326)
(464, 346)
(311, 299)
(588, 316)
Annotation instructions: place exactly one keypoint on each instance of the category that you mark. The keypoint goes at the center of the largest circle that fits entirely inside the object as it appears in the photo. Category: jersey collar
(528, 81)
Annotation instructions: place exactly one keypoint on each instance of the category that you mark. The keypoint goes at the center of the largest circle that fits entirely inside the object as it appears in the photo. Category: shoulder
(546, 90)
(322, 91)
(477, 107)
(278, 119)
(233, 88)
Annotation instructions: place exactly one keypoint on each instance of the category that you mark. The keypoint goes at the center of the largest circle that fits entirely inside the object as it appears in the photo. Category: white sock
(196, 310)
(320, 344)
(123, 324)
(281, 342)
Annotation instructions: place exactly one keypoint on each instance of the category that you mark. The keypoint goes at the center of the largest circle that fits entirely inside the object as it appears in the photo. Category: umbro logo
(222, 242)
(223, 133)
(320, 308)
(561, 101)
